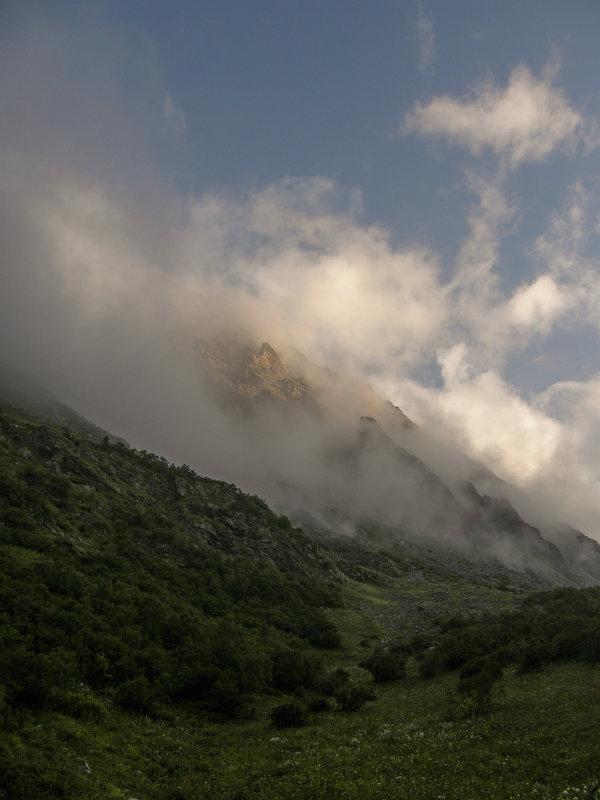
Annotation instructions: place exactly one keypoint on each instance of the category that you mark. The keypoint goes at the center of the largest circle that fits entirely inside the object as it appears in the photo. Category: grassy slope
(539, 740)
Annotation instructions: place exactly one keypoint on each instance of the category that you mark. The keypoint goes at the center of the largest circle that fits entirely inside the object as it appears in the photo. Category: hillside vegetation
(164, 635)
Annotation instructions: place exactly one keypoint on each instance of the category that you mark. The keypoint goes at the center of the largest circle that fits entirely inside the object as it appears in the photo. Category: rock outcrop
(246, 375)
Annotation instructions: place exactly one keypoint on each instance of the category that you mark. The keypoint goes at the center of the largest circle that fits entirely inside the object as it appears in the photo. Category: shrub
(289, 715)
(353, 696)
(431, 664)
(82, 706)
(319, 631)
(330, 683)
(532, 658)
(228, 698)
(293, 669)
(476, 681)
(135, 695)
(419, 644)
(317, 702)
(34, 678)
(385, 665)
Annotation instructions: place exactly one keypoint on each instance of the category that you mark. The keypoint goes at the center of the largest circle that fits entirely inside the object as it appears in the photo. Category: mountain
(161, 632)
(247, 376)
(373, 469)
(19, 390)
(578, 549)
(397, 497)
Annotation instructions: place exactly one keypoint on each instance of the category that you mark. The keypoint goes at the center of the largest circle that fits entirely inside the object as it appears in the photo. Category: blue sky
(405, 190)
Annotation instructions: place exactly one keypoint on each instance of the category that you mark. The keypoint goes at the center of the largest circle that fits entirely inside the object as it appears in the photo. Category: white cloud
(537, 305)
(497, 321)
(454, 365)
(487, 419)
(478, 254)
(525, 121)
(559, 246)
(548, 445)
(339, 287)
(574, 475)
(473, 296)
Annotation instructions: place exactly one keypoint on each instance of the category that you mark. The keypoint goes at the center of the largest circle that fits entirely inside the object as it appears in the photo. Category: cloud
(547, 445)
(105, 315)
(525, 121)
(563, 252)
(499, 321)
(108, 273)
(339, 289)
(454, 365)
(537, 305)
(486, 418)
(425, 41)
(473, 295)
(478, 254)
(574, 475)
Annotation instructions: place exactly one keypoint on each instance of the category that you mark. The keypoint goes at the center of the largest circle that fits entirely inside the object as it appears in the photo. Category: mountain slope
(387, 475)
(144, 606)
(134, 578)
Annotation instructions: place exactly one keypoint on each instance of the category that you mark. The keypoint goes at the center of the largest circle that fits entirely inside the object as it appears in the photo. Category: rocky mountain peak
(245, 374)
(267, 352)
(400, 417)
(267, 366)
(268, 374)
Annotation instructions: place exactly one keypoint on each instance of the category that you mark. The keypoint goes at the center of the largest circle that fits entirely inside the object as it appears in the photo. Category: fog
(109, 272)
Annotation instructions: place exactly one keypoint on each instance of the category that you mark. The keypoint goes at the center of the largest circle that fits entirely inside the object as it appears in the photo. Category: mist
(109, 272)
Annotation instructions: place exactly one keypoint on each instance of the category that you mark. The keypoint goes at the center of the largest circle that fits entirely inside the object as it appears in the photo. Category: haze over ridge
(109, 271)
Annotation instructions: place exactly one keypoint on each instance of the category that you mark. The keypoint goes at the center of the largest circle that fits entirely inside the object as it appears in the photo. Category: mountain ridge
(375, 476)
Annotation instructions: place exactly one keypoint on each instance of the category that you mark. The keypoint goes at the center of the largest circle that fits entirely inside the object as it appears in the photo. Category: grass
(540, 739)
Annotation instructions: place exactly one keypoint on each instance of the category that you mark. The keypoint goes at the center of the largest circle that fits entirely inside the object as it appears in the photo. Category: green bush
(135, 695)
(317, 702)
(476, 682)
(82, 706)
(419, 644)
(353, 696)
(330, 683)
(431, 664)
(289, 715)
(385, 666)
(33, 679)
(228, 698)
(531, 658)
(293, 669)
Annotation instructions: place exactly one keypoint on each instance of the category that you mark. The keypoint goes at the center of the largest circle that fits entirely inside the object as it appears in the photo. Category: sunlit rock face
(251, 375)
(272, 377)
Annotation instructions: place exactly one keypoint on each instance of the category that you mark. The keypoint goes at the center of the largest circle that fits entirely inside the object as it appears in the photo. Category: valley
(155, 623)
